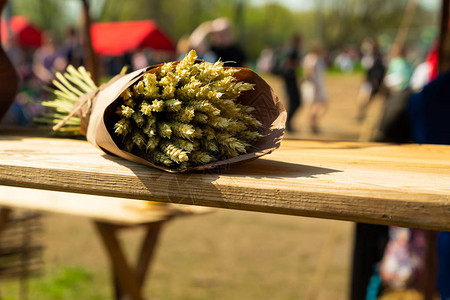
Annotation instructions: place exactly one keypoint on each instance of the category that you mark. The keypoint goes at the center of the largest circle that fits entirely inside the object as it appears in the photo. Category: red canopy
(27, 35)
(117, 38)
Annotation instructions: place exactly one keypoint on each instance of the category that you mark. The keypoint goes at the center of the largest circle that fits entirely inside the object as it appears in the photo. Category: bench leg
(147, 251)
(431, 265)
(127, 280)
(4, 217)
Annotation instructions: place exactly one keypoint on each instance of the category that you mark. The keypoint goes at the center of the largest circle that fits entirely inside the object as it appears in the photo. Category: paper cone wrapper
(268, 110)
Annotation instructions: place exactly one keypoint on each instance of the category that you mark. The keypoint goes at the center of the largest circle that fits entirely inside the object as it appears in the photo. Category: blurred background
(327, 60)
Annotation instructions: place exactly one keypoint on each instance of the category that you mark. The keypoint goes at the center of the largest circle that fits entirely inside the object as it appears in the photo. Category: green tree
(335, 22)
(350, 21)
(44, 13)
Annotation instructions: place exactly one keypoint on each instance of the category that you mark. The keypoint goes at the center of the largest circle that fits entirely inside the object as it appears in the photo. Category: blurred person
(21, 60)
(214, 40)
(425, 71)
(344, 61)
(72, 48)
(266, 61)
(198, 40)
(392, 127)
(420, 76)
(314, 68)
(139, 59)
(224, 45)
(25, 106)
(399, 70)
(374, 66)
(15, 53)
(403, 264)
(287, 68)
(47, 60)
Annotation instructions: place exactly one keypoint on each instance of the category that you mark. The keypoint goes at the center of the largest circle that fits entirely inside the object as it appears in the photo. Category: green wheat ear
(174, 153)
(69, 86)
(184, 115)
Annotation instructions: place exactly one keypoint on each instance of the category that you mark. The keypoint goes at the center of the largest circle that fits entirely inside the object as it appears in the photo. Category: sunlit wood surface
(407, 185)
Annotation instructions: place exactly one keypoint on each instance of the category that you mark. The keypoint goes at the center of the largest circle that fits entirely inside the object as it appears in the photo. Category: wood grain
(406, 185)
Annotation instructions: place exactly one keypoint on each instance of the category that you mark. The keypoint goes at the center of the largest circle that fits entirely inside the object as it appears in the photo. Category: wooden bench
(403, 185)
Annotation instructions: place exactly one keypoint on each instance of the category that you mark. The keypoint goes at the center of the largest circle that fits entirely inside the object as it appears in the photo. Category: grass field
(222, 255)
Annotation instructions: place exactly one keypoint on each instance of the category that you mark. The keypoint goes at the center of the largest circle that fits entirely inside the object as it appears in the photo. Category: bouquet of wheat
(176, 116)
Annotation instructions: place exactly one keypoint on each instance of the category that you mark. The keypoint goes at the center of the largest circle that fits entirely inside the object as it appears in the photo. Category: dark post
(9, 80)
(444, 38)
(91, 56)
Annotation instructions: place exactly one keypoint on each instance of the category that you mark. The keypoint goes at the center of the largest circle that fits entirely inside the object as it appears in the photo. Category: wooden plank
(108, 209)
(405, 185)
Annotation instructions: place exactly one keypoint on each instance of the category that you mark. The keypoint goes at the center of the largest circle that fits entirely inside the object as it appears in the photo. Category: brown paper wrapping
(98, 106)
